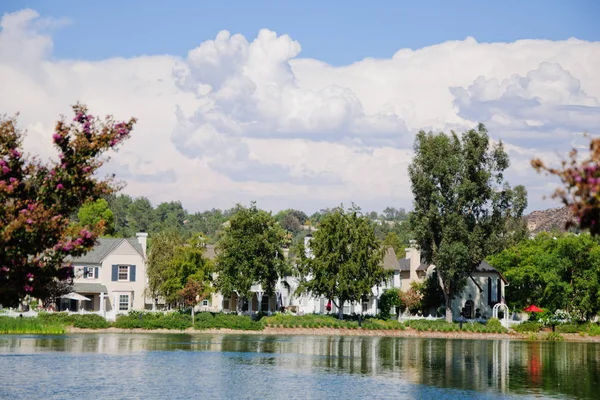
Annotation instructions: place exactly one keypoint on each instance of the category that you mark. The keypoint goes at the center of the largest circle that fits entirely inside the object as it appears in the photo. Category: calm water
(179, 366)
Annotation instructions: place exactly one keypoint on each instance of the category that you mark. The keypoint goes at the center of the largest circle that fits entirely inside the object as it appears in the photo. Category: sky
(303, 104)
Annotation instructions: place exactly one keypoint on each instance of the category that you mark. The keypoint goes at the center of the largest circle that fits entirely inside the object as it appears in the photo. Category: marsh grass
(9, 325)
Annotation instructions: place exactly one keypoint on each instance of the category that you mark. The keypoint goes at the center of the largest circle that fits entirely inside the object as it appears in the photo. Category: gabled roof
(422, 267)
(389, 260)
(404, 264)
(485, 267)
(103, 248)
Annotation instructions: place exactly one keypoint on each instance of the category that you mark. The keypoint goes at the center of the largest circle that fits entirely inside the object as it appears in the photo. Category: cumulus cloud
(243, 119)
(544, 107)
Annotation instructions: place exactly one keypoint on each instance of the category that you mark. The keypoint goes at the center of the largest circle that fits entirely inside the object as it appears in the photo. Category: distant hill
(548, 220)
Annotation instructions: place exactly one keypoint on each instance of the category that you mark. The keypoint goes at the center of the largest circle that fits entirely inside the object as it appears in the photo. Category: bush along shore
(58, 323)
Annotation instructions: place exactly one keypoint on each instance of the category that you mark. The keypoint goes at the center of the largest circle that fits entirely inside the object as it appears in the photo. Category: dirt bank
(408, 333)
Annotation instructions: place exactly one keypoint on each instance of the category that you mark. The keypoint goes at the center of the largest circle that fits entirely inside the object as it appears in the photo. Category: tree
(92, 213)
(393, 214)
(119, 206)
(249, 252)
(169, 216)
(393, 240)
(345, 261)
(581, 193)
(461, 203)
(291, 224)
(188, 264)
(390, 298)
(554, 272)
(36, 200)
(141, 215)
(160, 259)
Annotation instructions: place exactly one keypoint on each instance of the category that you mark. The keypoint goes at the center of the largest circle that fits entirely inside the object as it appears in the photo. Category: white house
(112, 275)
(485, 287)
(286, 297)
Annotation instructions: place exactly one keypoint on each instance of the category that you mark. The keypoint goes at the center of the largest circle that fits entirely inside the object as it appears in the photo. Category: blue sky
(259, 114)
(337, 32)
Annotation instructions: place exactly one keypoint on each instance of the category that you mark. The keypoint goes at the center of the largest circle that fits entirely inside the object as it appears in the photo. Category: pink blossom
(59, 186)
(56, 137)
(29, 276)
(5, 169)
(29, 221)
(28, 288)
(13, 180)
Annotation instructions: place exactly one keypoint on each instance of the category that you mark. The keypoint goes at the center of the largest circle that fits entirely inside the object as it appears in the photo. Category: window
(123, 272)
(264, 303)
(494, 291)
(88, 273)
(365, 306)
(205, 303)
(225, 304)
(123, 302)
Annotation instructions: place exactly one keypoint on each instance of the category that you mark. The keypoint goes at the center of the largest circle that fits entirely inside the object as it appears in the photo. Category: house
(485, 287)
(285, 293)
(112, 275)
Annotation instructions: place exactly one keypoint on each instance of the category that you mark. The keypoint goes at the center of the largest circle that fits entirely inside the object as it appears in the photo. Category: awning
(84, 287)
(75, 296)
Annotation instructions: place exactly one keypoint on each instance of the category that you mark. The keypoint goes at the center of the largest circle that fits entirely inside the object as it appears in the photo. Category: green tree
(345, 260)
(394, 241)
(119, 206)
(389, 298)
(461, 203)
(189, 264)
(141, 215)
(249, 252)
(169, 216)
(36, 200)
(554, 272)
(93, 213)
(160, 260)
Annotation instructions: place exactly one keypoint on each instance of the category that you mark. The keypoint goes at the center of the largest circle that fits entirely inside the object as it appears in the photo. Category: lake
(204, 366)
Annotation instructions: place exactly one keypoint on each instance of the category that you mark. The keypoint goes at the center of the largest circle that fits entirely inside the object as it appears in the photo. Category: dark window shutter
(96, 272)
(115, 273)
(489, 291)
(132, 273)
(499, 296)
(85, 272)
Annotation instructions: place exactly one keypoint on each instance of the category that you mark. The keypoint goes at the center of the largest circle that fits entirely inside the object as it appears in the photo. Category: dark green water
(180, 366)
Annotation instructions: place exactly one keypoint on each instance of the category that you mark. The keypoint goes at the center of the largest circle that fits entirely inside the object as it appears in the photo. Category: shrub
(567, 328)
(157, 320)
(494, 323)
(593, 330)
(208, 320)
(528, 326)
(553, 336)
(90, 321)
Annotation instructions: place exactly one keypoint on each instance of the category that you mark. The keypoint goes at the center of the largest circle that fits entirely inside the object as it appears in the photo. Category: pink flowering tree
(581, 186)
(37, 198)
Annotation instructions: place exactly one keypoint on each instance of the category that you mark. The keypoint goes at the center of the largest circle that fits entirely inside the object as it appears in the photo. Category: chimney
(414, 256)
(142, 237)
(307, 240)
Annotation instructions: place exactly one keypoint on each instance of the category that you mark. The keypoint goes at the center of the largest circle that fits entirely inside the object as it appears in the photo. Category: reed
(10, 325)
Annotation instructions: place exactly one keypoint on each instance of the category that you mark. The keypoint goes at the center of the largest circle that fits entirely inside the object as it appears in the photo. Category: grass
(9, 325)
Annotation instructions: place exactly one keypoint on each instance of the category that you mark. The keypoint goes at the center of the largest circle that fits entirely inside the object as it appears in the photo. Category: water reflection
(486, 366)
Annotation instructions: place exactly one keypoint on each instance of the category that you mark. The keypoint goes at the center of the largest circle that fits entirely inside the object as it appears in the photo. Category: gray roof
(389, 259)
(84, 287)
(422, 267)
(103, 248)
(404, 264)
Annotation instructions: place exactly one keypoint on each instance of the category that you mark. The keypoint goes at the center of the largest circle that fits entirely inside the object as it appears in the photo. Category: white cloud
(240, 119)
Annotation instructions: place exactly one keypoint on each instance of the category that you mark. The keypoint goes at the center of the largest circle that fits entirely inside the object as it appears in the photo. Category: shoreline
(407, 333)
